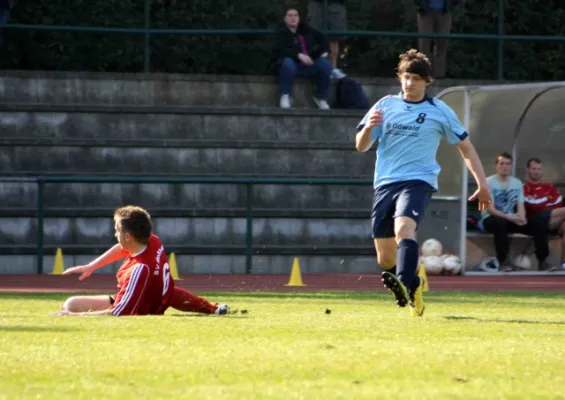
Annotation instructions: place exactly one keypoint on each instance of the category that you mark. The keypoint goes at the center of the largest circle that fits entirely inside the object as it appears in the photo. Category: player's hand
(483, 196)
(62, 313)
(305, 59)
(376, 118)
(84, 270)
(520, 220)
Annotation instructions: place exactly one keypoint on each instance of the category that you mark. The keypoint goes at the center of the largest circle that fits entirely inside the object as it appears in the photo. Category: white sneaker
(223, 309)
(337, 74)
(322, 104)
(285, 101)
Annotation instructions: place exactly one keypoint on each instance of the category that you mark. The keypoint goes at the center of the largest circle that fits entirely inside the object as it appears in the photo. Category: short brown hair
(505, 155)
(533, 160)
(136, 221)
(415, 62)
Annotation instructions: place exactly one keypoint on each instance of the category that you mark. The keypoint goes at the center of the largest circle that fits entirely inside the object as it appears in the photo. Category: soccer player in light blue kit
(408, 128)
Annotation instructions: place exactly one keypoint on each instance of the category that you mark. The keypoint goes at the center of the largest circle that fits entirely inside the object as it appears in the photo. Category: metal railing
(147, 32)
(248, 182)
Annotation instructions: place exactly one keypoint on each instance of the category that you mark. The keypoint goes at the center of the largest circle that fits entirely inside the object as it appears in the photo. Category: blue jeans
(4, 16)
(320, 71)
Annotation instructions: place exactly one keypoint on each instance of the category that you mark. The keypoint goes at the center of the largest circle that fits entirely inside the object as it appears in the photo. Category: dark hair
(505, 155)
(415, 62)
(292, 7)
(533, 159)
(135, 221)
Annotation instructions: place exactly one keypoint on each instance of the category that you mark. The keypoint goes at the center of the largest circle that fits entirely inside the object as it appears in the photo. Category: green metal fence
(248, 182)
(147, 32)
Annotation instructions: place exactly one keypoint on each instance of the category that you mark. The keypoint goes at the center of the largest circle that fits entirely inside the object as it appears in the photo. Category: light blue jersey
(409, 138)
(505, 197)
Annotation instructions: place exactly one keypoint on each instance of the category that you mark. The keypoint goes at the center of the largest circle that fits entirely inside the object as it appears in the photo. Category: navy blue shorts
(399, 199)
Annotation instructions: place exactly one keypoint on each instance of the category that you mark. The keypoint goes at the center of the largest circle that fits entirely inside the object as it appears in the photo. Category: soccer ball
(523, 261)
(432, 247)
(433, 265)
(451, 265)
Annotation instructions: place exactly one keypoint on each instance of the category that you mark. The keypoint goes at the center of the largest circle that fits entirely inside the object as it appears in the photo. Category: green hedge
(43, 50)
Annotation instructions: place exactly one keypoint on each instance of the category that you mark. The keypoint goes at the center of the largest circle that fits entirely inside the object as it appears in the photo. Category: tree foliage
(245, 54)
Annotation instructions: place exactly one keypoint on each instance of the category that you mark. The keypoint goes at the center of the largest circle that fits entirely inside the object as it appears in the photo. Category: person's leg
(382, 223)
(385, 245)
(499, 228)
(334, 52)
(287, 73)
(337, 21)
(4, 17)
(537, 228)
(561, 231)
(183, 300)
(425, 25)
(556, 218)
(443, 23)
(386, 253)
(316, 15)
(87, 303)
(322, 71)
(411, 206)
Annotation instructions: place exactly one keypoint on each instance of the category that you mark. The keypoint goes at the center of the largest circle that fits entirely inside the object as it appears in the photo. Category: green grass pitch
(467, 346)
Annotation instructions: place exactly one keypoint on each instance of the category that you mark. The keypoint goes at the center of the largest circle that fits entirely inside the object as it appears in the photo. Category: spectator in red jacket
(543, 200)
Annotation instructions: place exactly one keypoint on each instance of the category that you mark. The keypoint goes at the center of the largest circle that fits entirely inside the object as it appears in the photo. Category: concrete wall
(84, 123)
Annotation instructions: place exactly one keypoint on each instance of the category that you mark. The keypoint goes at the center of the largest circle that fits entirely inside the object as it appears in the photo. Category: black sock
(407, 263)
(392, 269)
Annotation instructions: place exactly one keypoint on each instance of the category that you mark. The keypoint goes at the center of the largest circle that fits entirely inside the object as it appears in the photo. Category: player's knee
(71, 304)
(561, 228)
(404, 230)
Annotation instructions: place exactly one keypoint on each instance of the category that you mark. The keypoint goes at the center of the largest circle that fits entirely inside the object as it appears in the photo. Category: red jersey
(540, 196)
(145, 282)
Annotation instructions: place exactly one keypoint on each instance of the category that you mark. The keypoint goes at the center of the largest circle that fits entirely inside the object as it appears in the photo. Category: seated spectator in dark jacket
(300, 50)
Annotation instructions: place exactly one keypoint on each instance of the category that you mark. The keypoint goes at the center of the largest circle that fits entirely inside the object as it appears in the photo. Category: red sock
(183, 300)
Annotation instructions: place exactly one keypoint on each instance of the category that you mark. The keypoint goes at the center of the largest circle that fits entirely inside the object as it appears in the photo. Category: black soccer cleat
(392, 283)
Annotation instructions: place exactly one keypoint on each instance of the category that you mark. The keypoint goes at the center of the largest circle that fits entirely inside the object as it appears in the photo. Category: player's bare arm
(473, 163)
(521, 213)
(509, 217)
(114, 254)
(363, 141)
(66, 313)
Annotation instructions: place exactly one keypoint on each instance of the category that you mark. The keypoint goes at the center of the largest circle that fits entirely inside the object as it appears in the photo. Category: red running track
(106, 283)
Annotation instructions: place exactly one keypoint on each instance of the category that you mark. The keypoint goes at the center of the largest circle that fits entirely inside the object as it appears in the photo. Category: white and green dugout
(526, 120)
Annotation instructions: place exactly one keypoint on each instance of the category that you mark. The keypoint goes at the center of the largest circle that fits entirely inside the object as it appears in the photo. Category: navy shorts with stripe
(399, 199)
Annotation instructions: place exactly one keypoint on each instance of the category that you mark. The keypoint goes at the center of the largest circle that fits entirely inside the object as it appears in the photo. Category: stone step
(192, 232)
(92, 196)
(64, 160)
(176, 126)
(175, 89)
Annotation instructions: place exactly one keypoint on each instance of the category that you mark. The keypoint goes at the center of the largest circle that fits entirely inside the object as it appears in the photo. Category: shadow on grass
(189, 315)
(24, 328)
(503, 321)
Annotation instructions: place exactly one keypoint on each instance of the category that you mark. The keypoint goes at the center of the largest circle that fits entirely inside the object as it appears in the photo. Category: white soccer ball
(433, 265)
(451, 265)
(432, 247)
(523, 261)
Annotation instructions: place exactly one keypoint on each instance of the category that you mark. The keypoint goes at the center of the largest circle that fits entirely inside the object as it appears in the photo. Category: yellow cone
(422, 273)
(173, 267)
(295, 275)
(59, 264)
